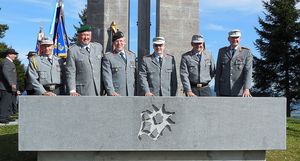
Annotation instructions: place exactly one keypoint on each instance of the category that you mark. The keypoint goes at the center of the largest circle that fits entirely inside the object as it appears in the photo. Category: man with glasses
(157, 75)
(118, 68)
(197, 69)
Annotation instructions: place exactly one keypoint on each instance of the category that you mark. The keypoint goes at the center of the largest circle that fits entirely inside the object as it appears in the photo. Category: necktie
(87, 49)
(160, 61)
(50, 60)
(199, 56)
(232, 52)
(123, 56)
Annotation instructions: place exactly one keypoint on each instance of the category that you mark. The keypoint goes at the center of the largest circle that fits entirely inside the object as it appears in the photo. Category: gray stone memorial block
(151, 124)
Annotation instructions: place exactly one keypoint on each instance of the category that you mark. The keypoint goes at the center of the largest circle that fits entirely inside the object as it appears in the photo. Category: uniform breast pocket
(80, 65)
(239, 64)
(42, 74)
(169, 70)
(192, 68)
(207, 63)
(150, 74)
(58, 69)
(115, 69)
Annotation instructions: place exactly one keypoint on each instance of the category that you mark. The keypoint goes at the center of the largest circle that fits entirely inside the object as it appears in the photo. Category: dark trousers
(203, 91)
(6, 101)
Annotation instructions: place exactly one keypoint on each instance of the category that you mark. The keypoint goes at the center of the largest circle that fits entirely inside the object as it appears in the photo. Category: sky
(217, 17)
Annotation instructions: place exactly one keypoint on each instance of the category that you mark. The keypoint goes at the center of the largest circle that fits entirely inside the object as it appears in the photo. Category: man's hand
(246, 93)
(190, 94)
(74, 94)
(49, 94)
(148, 94)
(114, 94)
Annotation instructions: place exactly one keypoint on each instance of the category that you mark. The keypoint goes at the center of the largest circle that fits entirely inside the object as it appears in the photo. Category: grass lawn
(292, 153)
(9, 145)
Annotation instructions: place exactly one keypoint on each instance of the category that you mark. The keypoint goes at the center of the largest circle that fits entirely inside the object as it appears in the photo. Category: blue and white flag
(60, 37)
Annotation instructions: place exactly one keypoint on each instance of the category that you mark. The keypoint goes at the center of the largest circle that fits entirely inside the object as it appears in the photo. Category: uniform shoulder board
(147, 56)
(107, 53)
(96, 43)
(131, 52)
(72, 46)
(245, 48)
(169, 55)
(224, 48)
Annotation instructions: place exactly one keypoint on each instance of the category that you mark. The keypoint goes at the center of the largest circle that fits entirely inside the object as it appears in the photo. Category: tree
(277, 72)
(3, 28)
(83, 18)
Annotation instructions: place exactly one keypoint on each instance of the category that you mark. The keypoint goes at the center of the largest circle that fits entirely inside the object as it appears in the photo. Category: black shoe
(4, 121)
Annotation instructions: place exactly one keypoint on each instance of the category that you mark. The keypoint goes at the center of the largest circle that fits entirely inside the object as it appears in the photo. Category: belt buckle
(199, 85)
(52, 87)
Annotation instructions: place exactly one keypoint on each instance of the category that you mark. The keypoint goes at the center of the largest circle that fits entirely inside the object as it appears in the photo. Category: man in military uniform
(157, 75)
(118, 69)
(234, 68)
(28, 85)
(83, 65)
(197, 69)
(8, 85)
(45, 71)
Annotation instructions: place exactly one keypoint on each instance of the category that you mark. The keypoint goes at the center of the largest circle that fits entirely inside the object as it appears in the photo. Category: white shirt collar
(9, 59)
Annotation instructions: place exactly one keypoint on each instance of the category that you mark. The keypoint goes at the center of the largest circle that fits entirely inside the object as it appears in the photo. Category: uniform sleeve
(107, 76)
(143, 77)
(174, 84)
(218, 73)
(71, 71)
(212, 67)
(248, 71)
(33, 78)
(184, 75)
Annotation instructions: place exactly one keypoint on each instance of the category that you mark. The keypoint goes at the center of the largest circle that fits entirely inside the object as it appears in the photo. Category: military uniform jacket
(42, 72)
(233, 74)
(194, 71)
(153, 78)
(118, 75)
(8, 75)
(83, 69)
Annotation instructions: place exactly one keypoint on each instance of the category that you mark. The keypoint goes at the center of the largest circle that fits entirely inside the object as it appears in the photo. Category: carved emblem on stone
(155, 122)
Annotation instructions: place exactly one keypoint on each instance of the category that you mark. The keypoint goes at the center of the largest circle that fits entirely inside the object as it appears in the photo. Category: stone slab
(153, 156)
(65, 123)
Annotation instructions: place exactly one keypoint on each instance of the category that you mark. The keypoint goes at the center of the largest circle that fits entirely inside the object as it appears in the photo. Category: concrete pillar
(143, 28)
(101, 13)
(177, 22)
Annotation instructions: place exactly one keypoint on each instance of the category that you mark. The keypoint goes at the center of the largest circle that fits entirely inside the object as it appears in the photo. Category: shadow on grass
(9, 149)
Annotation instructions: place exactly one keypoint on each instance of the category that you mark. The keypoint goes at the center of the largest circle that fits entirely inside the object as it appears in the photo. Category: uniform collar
(84, 46)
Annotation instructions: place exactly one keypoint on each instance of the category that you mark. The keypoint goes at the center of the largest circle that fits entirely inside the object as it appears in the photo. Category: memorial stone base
(83, 128)
(154, 156)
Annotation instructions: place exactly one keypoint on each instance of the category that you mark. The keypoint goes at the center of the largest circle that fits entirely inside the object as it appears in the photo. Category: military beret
(197, 39)
(158, 40)
(84, 28)
(117, 36)
(46, 41)
(235, 33)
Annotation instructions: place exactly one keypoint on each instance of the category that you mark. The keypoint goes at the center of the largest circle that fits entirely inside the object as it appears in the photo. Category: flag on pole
(60, 37)
(39, 39)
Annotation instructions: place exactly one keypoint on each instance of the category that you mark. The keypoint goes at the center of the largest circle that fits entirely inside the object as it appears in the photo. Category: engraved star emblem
(154, 122)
